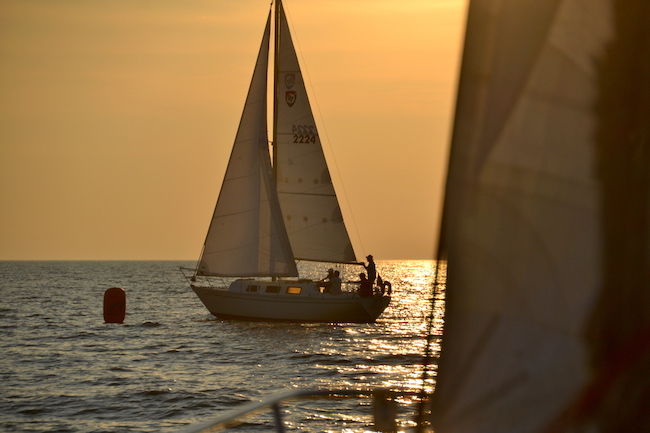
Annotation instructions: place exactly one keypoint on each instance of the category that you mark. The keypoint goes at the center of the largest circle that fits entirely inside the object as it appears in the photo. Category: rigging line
(323, 135)
(439, 283)
(198, 262)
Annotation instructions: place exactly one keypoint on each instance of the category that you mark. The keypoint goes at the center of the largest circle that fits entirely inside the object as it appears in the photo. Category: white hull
(310, 305)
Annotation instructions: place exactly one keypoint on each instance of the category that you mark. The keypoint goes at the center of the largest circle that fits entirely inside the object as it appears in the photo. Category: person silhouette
(335, 283)
(371, 269)
(365, 288)
(326, 282)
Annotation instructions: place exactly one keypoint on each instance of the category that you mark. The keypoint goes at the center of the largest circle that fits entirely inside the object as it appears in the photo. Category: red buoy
(114, 305)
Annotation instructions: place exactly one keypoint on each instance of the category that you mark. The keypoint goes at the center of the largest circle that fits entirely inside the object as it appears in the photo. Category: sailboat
(278, 207)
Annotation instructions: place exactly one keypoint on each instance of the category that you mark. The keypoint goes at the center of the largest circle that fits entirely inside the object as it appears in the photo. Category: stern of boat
(375, 305)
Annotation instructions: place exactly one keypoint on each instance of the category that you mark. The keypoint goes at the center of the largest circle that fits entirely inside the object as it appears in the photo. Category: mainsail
(311, 210)
(246, 235)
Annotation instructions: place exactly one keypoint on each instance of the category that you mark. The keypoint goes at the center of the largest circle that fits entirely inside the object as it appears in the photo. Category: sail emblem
(290, 97)
(289, 80)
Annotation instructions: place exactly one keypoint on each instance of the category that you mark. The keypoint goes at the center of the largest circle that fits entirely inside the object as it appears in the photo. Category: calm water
(171, 363)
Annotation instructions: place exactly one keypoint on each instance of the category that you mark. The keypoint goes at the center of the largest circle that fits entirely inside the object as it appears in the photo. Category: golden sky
(117, 118)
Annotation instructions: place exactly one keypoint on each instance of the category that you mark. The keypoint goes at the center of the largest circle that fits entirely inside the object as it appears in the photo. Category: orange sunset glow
(117, 119)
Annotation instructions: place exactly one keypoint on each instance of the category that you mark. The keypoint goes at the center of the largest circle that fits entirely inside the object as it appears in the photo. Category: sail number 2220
(304, 133)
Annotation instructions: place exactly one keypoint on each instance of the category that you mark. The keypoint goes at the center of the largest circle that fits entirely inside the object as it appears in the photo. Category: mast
(276, 73)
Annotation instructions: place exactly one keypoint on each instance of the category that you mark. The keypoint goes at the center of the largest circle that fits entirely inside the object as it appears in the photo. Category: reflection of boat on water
(275, 210)
(546, 226)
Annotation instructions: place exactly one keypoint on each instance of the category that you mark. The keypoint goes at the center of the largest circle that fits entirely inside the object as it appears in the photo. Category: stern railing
(384, 408)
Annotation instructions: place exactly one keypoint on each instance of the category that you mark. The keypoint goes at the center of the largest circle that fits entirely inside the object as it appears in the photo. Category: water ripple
(171, 363)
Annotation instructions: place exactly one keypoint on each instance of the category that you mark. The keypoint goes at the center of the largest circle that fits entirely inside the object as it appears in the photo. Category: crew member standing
(371, 269)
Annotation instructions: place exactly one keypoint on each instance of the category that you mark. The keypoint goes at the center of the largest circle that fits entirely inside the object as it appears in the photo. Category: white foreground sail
(274, 210)
(534, 224)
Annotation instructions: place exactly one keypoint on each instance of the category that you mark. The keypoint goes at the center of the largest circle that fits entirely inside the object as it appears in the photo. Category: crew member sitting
(335, 283)
(326, 282)
(365, 288)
